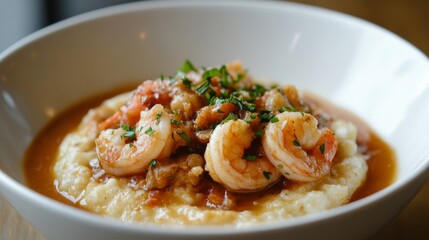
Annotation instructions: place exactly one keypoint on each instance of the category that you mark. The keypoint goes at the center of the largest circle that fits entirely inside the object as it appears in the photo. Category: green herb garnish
(249, 157)
(203, 87)
(149, 131)
(126, 127)
(187, 67)
(231, 116)
(208, 74)
(224, 77)
(322, 148)
(274, 119)
(267, 175)
(243, 105)
(288, 109)
(260, 133)
(296, 143)
(239, 77)
(185, 137)
(131, 135)
(158, 117)
(152, 163)
(259, 90)
(175, 122)
(187, 83)
(190, 150)
(265, 115)
(129, 132)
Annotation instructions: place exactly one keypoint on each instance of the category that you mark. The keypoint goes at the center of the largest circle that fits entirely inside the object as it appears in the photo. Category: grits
(79, 177)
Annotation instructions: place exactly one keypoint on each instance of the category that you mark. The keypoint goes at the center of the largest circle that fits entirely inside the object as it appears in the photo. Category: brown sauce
(40, 156)
(382, 161)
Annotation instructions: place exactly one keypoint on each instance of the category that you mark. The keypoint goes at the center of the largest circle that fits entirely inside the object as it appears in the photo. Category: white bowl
(355, 64)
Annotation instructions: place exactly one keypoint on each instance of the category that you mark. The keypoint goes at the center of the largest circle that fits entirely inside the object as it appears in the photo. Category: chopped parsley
(267, 175)
(185, 137)
(322, 148)
(296, 143)
(181, 75)
(274, 119)
(129, 132)
(209, 94)
(250, 157)
(175, 122)
(241, 104)
(288, 109)
(187, 83)
(203, 87)
(260, 133)
(158, 117)
(149, 131)
(266, 116)
(250, 118)
(190, 150)
(224, 82)
(126, 127)
(187, 67)
(256, 91)
(208, 74)
(213, 101)
(131, 135)
(231, 116)
(152, 163)
(239, 77)
(259, 90)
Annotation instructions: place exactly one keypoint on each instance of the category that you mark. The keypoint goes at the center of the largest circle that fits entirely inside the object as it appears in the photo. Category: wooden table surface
(407, 18)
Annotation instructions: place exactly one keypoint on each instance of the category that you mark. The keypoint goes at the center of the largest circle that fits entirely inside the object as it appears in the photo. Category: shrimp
(227, 165)
(145, 96)
(212, 114)
(153, 139)
(298, 149)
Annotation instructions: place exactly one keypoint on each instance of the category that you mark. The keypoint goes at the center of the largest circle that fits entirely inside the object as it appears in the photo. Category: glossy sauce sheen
(41, 154)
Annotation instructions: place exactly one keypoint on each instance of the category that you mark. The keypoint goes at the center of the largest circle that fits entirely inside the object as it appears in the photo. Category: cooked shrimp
(227, 165)
(292, 96)
(213, 114)
(272, 100)
(297, 148)
(152, 140)
(144, 97)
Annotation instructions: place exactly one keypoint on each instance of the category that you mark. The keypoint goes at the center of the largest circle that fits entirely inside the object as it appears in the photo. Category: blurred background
(407, 18)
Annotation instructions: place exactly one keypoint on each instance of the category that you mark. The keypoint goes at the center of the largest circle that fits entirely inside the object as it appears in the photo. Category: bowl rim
(96, 220)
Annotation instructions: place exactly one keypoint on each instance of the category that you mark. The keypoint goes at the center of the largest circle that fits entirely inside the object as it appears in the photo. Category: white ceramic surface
(353, 63)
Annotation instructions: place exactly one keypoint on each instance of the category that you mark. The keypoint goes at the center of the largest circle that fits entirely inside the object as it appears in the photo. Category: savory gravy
(40, 156)
(381, 162)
